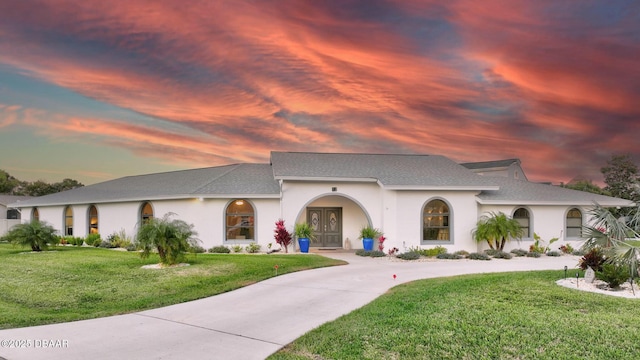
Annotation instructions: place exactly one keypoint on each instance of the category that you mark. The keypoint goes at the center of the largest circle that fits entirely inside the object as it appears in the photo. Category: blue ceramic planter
(304, 244)
(367, 244)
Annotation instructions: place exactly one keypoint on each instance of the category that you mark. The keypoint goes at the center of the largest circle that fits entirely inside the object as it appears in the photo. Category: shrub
(236, 248)
(593, 259)
(578, 253)
(449, 256)
(132, 247)
(252, 248)
(614, 275)
(553, 253)
(222, 249)
(197, 249)
(411, 255)
(372, 253)
(566, 248)
(35, 234)
(105, 244)
(434, 251)
(519, 252)
(91, 239)
(502, 255)
(491, 252)
(533, 254)
(119, 239)
(479, 256)
(72, 240)
(463, 253)
(171, 238)
(282, 236)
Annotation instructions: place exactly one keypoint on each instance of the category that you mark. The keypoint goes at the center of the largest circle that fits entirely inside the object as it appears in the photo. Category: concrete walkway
(249, 323)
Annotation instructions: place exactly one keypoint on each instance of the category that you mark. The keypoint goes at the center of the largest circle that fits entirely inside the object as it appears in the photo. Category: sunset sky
(94, 90)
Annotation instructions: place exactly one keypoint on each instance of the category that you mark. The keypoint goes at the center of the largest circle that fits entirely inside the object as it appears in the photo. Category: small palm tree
(35, 234)
(610, 234)
(496, 229)
(170, 237)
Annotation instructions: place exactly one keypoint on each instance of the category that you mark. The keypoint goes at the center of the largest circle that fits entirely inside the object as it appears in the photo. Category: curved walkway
(249, 323)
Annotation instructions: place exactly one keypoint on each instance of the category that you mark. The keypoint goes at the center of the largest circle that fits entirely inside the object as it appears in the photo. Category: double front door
(327, 225)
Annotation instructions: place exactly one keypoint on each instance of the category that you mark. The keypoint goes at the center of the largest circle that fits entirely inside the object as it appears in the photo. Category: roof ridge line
(232, 167)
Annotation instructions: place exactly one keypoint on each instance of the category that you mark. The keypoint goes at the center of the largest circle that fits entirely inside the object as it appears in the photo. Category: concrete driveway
(249, 323)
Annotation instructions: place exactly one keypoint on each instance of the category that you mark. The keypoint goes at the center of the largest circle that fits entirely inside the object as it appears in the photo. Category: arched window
(93, 220)
(435, 221)
(146, 212)
(240, 221)
(521, 215)
(35, 215)
(68, 221)
(574, 223)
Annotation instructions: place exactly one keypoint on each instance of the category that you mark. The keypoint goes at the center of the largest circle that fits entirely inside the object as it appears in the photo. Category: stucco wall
(545, 220)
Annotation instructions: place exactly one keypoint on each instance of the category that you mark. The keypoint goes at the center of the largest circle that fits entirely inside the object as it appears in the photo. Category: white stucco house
(416, 200)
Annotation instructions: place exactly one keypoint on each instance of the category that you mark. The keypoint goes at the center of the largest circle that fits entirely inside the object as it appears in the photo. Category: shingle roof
(490, 164)
(391, 171)
(518, 192)
(239, 179)
(9, 199)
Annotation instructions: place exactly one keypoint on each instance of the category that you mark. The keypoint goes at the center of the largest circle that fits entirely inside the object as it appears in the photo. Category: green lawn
(72, 283)
(494, 316)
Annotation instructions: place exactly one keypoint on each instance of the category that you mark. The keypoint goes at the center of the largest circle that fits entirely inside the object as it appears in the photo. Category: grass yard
(494, 316)
(72, 283)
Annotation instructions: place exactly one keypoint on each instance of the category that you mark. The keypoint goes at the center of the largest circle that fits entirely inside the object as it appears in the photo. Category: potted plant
(367, 234)
(304, 233)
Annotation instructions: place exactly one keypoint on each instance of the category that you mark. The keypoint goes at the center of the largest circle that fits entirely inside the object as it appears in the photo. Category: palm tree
(171, 238)
(496, 229)
(610, 234)
(35, 234)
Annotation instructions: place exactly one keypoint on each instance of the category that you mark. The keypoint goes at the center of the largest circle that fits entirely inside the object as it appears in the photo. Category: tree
(496, 229)
(170, 237)
(587, 186)
(611, 234)
(621, 177)
(282, 236)
(8, 183)
(35, 234)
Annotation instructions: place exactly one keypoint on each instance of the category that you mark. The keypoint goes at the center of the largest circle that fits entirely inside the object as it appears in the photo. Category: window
(68, 221)
(13, 214)
(574, 223)
(35, 215)
(435, 221)
(146, 212)
(240, 221)
(521, 215)
(93, 220)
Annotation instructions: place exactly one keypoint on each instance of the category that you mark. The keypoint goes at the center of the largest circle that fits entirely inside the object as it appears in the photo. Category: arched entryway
(336, 220)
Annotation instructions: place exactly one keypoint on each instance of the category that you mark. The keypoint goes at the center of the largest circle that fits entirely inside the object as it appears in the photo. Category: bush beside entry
(304, 233)
(367, 234)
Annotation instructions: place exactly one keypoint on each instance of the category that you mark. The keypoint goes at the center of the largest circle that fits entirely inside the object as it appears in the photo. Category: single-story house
(416, 200)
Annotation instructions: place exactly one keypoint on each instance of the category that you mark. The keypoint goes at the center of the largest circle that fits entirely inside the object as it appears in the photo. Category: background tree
(35, 234)
(587, 186)
(8, 183)
(621, 177)
(11, 185)
(171, 238)
(496, 229)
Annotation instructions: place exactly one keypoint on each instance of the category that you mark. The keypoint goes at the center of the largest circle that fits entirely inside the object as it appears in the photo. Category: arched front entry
(336, 221)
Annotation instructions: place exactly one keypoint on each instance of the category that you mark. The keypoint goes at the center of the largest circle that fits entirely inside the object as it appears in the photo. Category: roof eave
(151, 198)
(441, 188)
(325, 179)
(554, 202)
